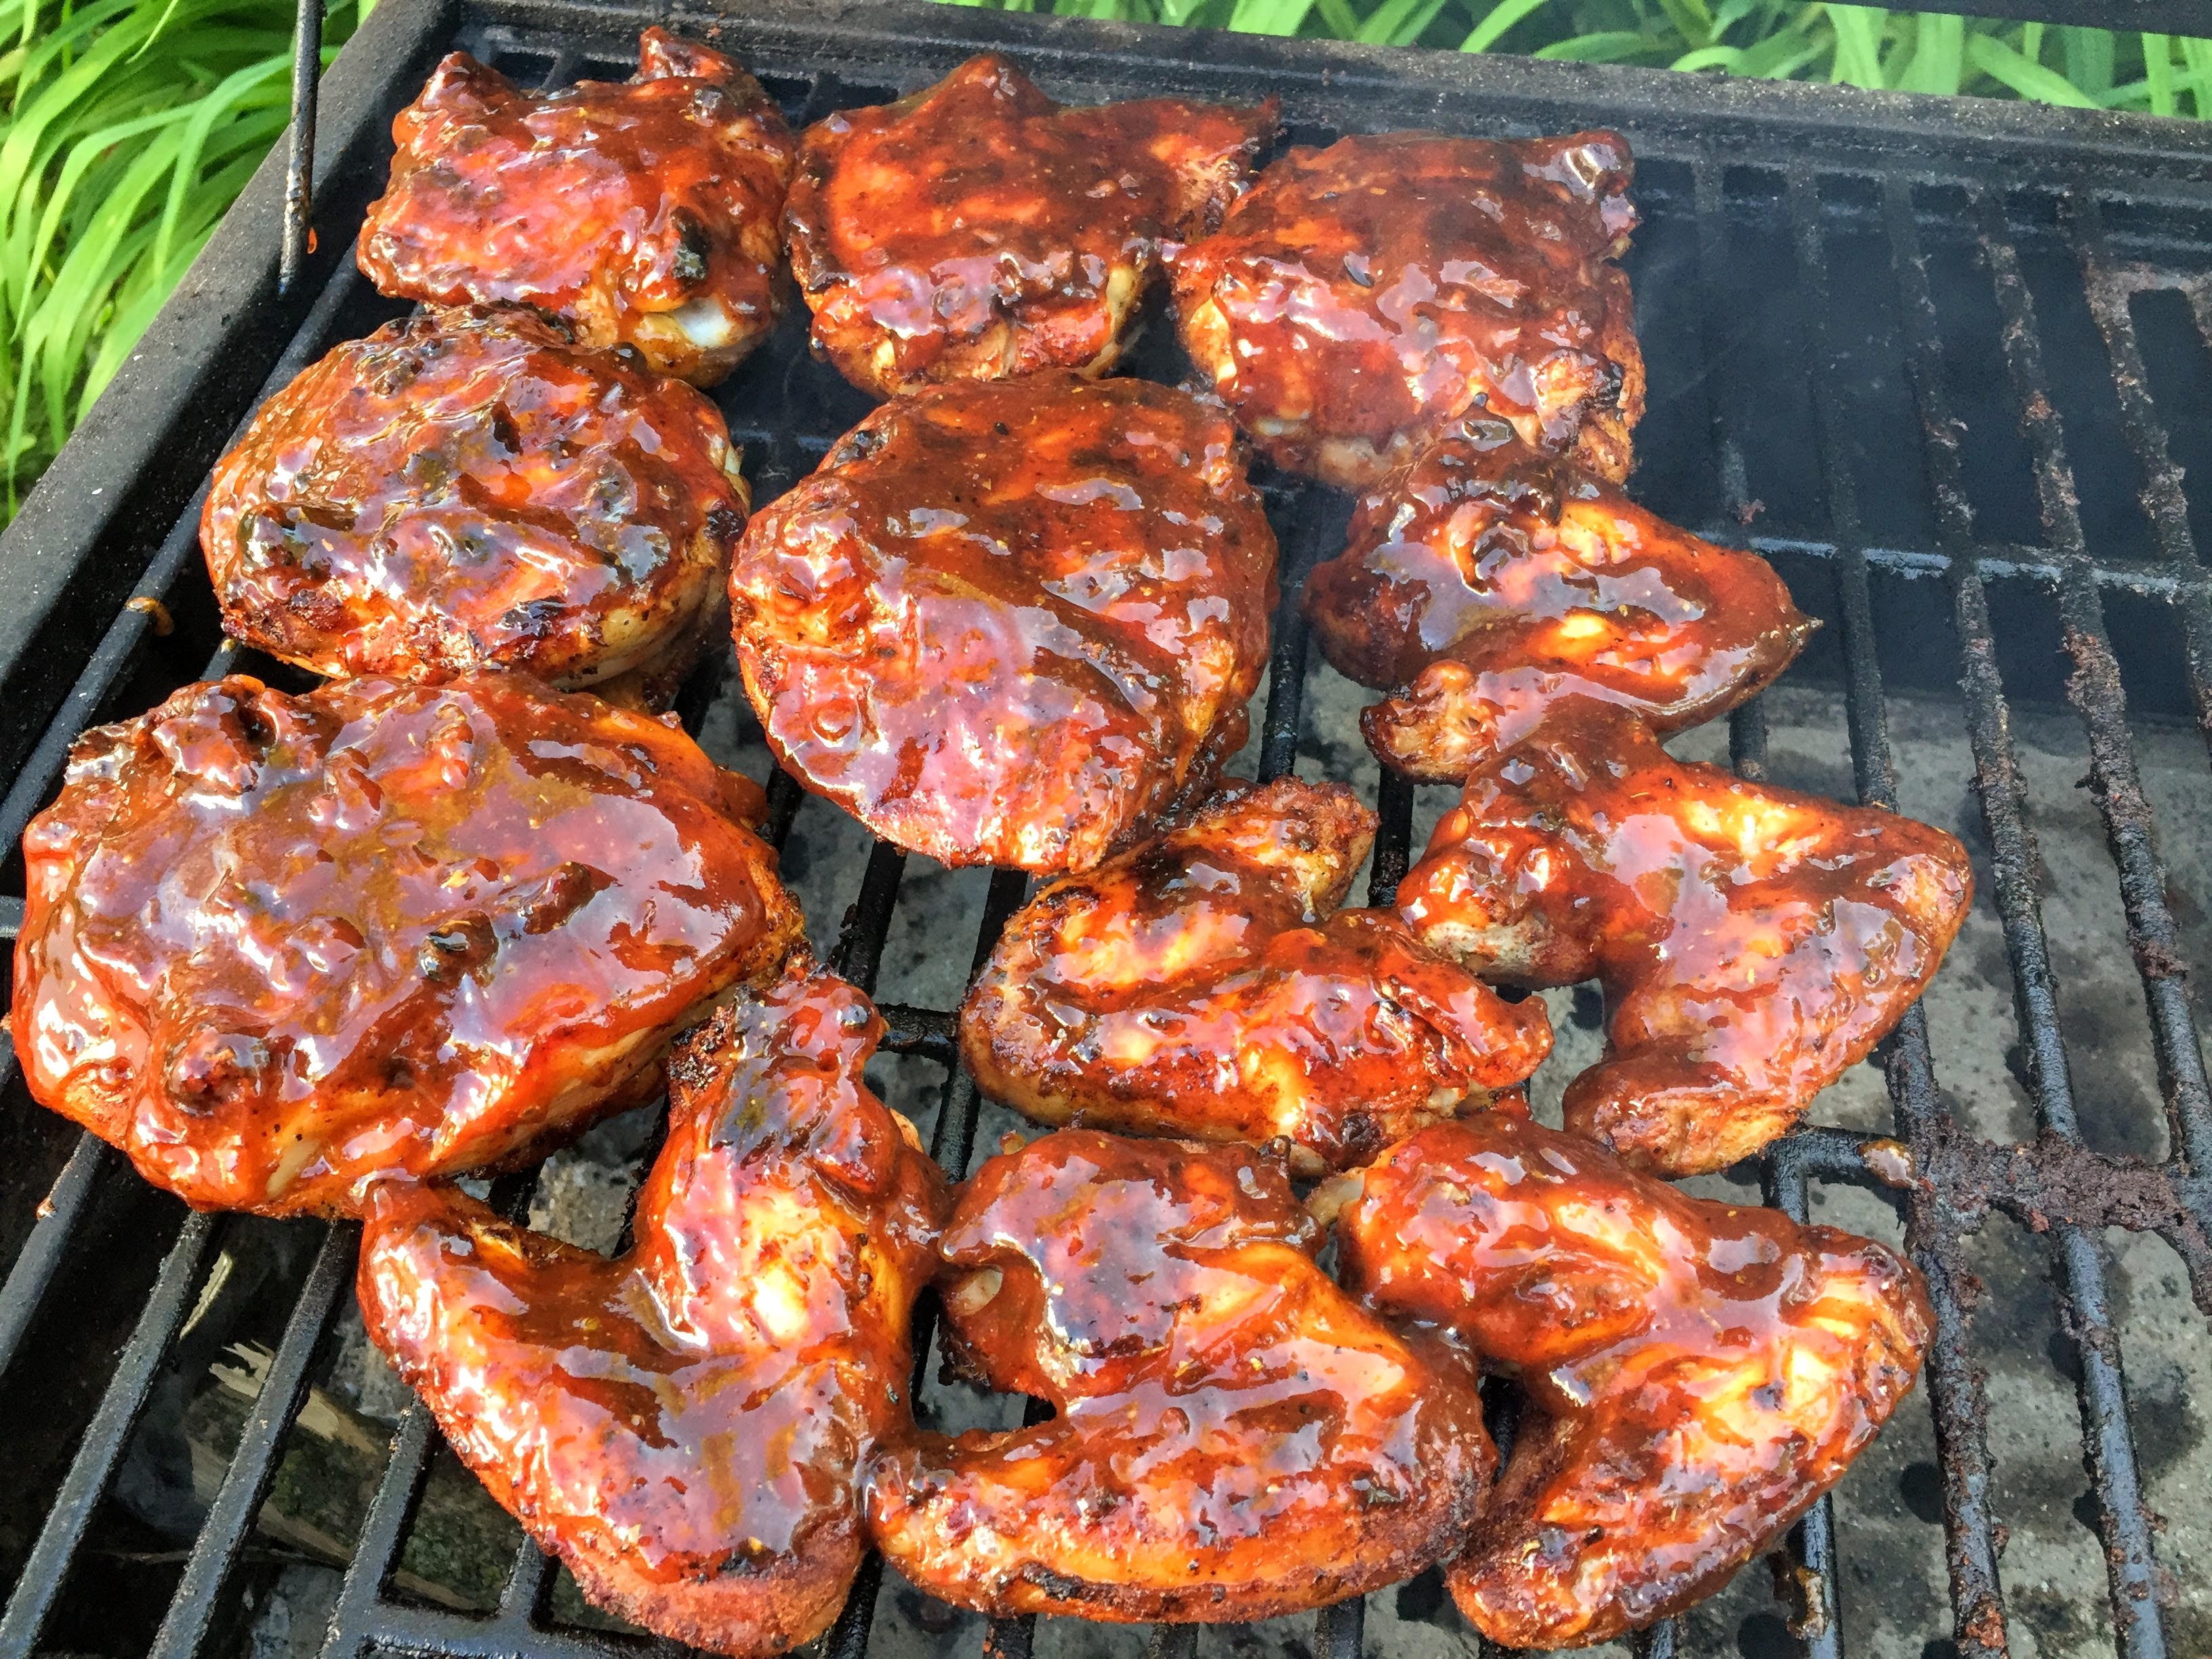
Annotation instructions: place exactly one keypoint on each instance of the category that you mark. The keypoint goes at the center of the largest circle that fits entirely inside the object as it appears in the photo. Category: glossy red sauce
(1696, 1373)
(1205, 984)
(275, 944)
(979, 229)
(1011, 622)
(684, 1425)
(467, 490)
(1234, 1438)
(1752, 942)
(642, 211)
(1493, 580)
(1362, 298)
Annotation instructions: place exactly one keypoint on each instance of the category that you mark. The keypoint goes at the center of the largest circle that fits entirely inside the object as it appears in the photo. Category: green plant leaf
(1269, 17)
(1607, 46)
(1858, 45)
(1496, 22)
(1938, 63)
(2197, 56)
(2158, 73)
(2025, 76)
(2089, 54)
(1339, 18)
(1398, 22)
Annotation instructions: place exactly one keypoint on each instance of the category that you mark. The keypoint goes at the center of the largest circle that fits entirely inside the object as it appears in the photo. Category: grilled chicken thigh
(1235, 1437)
(1493, 580)
(1204, 984)
(1361, 299)
(684, 1426)
(1752, 942)
(977, 229)
(1011, 622)
(1699, 1373)
(642, 212)
(467, 490)
(274, 944)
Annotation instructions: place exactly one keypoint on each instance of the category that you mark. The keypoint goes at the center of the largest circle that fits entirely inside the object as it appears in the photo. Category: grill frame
(66, 568)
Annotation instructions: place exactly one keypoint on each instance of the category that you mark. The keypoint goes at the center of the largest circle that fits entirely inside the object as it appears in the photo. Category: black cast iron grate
(1941, 550)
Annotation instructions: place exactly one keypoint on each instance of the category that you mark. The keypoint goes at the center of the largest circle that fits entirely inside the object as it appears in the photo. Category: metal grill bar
(48, 1567)
(1810, 1545)
(2094, 689)
(90, 1161)
(2181, 1075)
(300, 161)
(253, 1464)
(2020, 911)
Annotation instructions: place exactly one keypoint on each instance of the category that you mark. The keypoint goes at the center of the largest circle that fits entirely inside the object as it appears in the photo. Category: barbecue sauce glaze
(1362, 298)
(275, 944)
(1696, 1373)
(1011, 622)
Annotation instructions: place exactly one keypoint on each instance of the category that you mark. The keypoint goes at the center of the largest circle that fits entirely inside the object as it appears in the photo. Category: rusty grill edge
(822, 57)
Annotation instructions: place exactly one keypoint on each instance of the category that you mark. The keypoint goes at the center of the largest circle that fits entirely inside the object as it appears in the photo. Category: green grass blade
(2196, 57)
(1858, 45)
(1606, 46)
(1398, 22)
(1269, 17)
(1499, 18)
(2089, 55)
(1939, 56)
(2023, 75)
(2158, 73)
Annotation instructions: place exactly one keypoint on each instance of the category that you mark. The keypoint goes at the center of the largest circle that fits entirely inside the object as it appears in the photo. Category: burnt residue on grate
(1882, 335)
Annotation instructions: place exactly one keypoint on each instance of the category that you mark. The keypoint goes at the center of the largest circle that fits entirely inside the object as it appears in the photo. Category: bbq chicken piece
(466, 490)
(1361, 299)
(1236, 1438)
(684, 1426)
(642, 212)
(1698, 1374)
(1752, 942)
(1495, 580)
(274, 946)
(977, 229)
(1204, 984)
(1011, 622)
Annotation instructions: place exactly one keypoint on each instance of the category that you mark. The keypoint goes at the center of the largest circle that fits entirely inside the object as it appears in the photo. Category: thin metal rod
(1394, 838)
(1280, 727)
(47, 1567)
(230, 1517)
(1340, 1630)
(1819, 1625)
(90, 1162)
(2130, 1562)
(859, 951)
(300, 161)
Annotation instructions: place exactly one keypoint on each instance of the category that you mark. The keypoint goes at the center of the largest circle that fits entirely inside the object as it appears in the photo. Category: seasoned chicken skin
(1699, 1373)
(467, 490)
(274, 946)
(1235, 1439)
(642, 212)
(977, 229)
(1361, 299)
(1494, 580)
(1204, 984)
(685, 1425)
(1752, 942)
(1011, 622)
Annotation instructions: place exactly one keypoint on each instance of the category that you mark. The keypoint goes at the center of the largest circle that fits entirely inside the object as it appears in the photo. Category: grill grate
(1949, 211)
